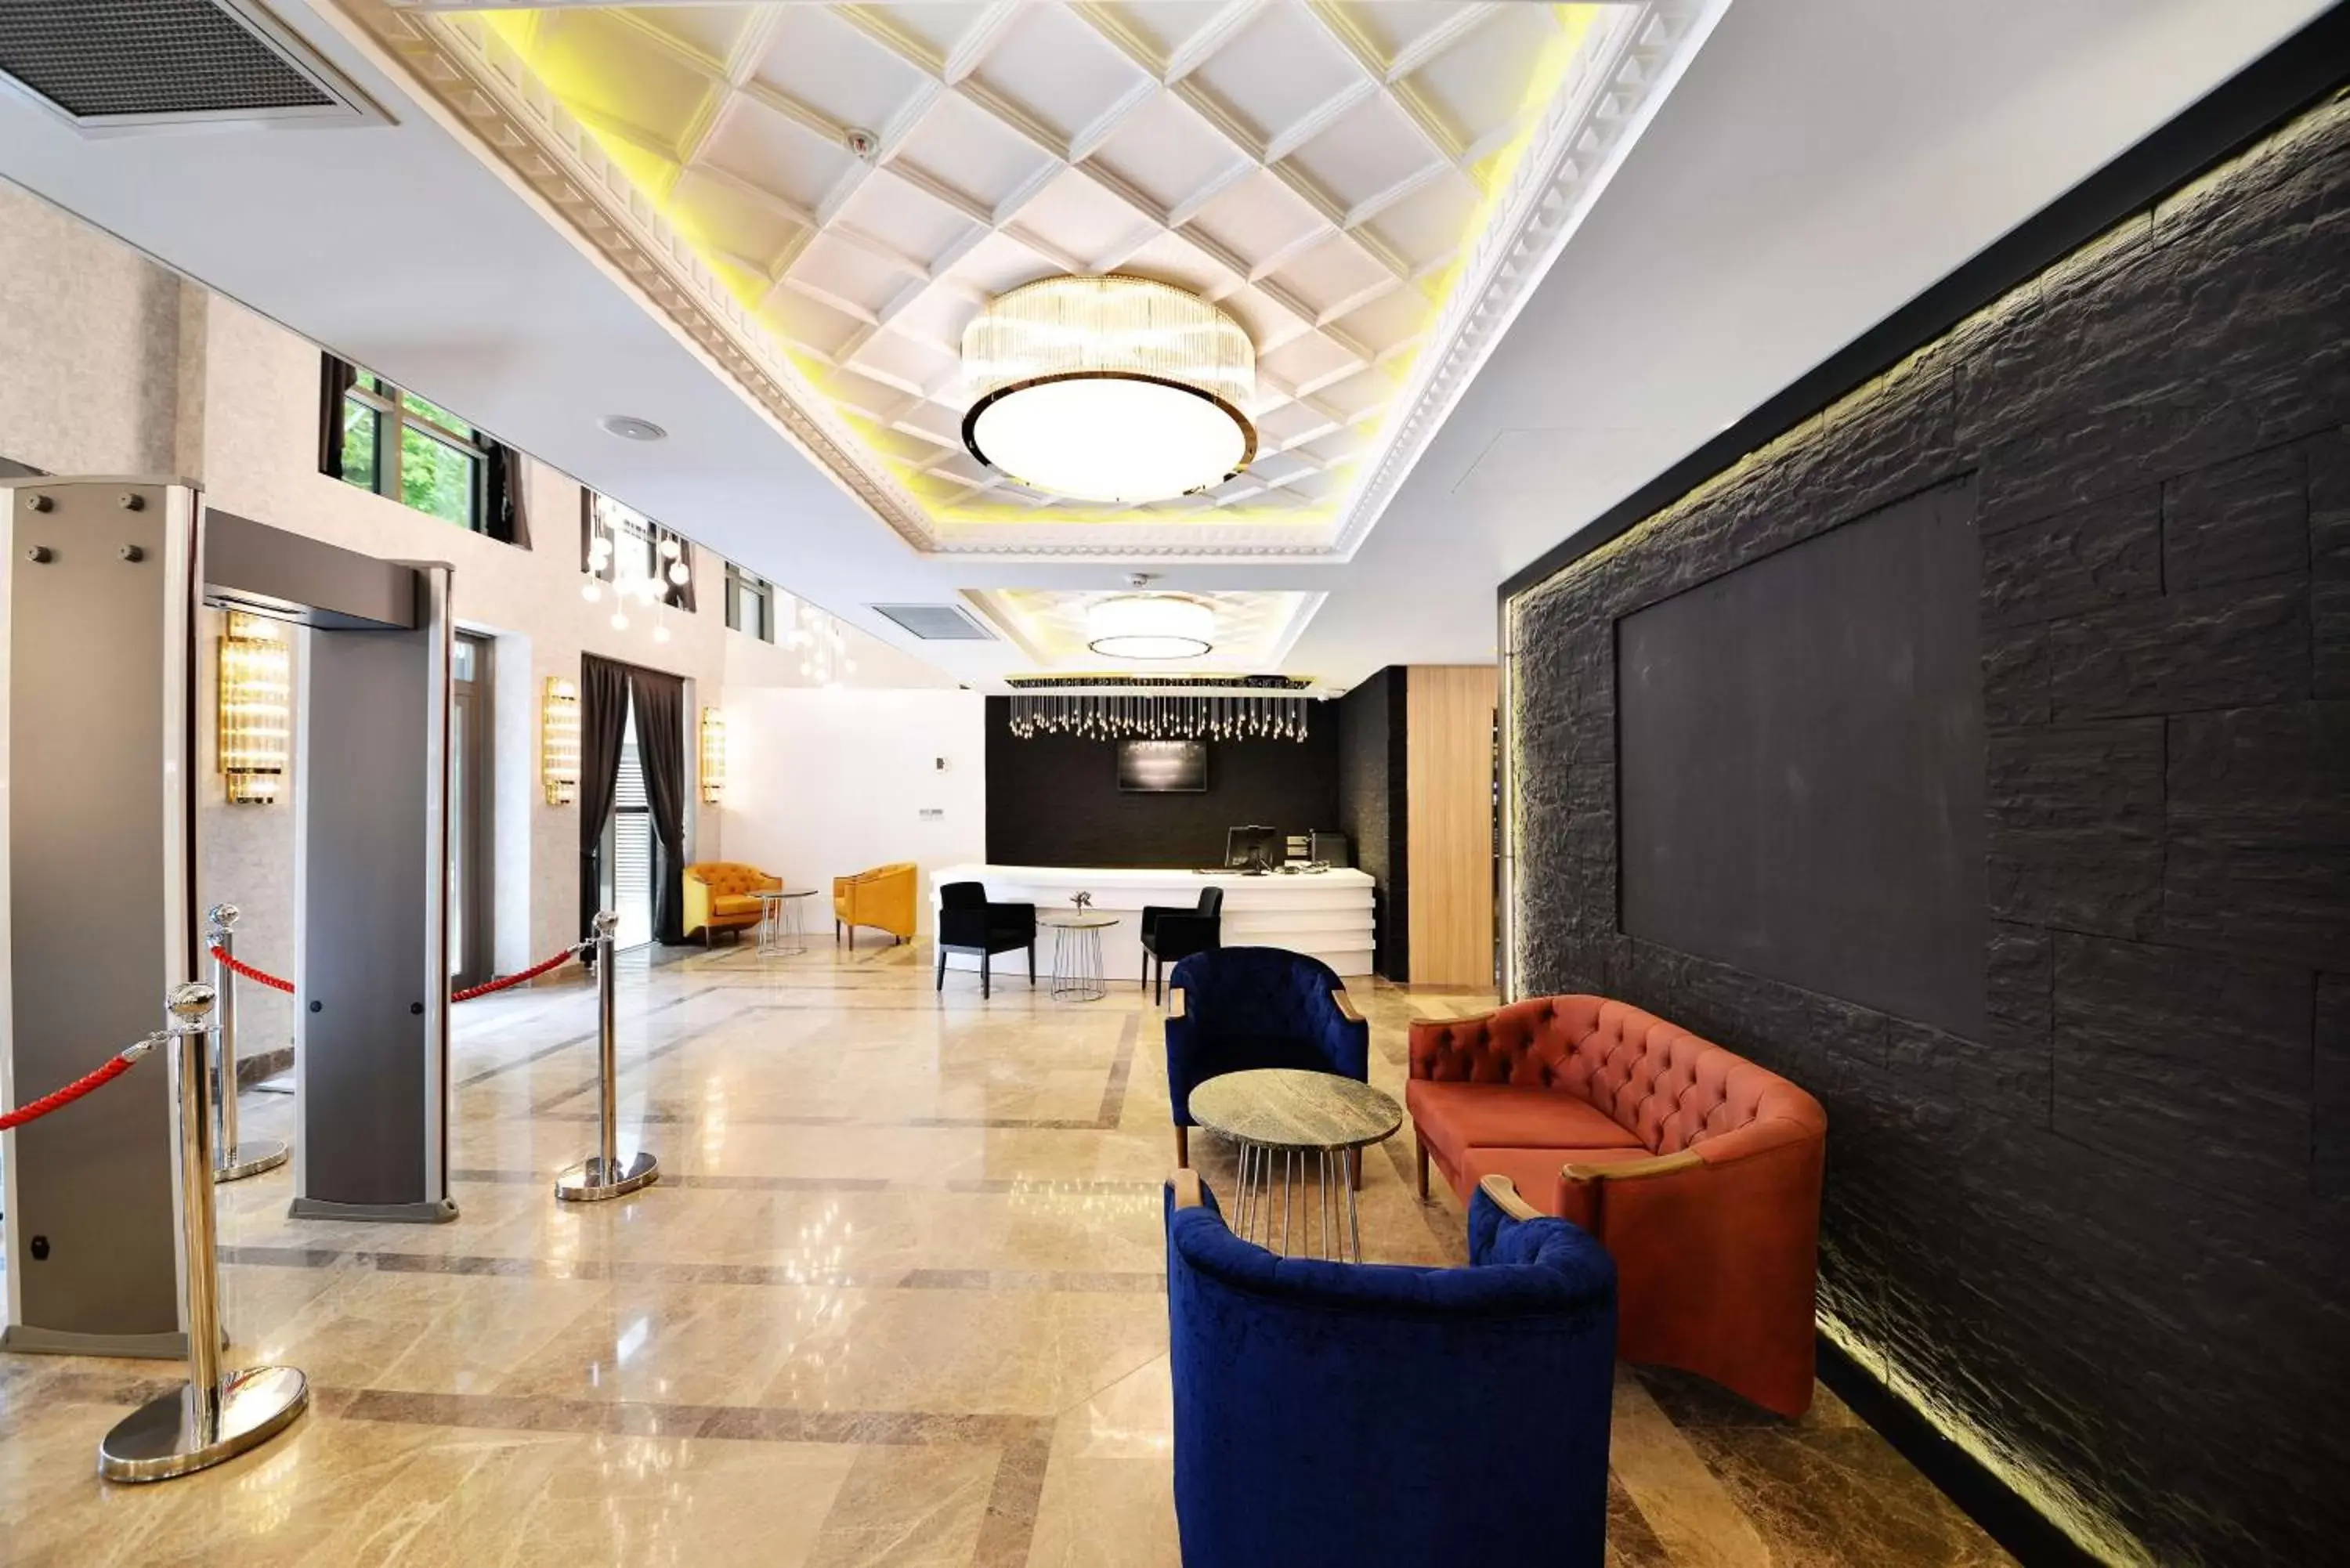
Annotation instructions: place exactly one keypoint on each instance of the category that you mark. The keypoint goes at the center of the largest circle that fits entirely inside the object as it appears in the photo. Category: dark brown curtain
(603, 725)
(334, 378)
(503, 471)
(660, 746)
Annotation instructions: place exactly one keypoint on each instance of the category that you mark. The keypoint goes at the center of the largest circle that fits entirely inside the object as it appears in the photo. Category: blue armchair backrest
(1259, 990)
(1343, 1413)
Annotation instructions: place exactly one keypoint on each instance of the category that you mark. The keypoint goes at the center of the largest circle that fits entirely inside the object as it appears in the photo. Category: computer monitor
(1332, 849)
(1252, 848)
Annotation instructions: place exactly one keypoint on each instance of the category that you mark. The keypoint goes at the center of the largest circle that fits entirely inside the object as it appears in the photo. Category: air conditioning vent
(144, 65)
(937, 623)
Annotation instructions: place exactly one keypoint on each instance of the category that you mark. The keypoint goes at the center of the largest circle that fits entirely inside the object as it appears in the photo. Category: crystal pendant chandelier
(1109, 389)
(1109, 716)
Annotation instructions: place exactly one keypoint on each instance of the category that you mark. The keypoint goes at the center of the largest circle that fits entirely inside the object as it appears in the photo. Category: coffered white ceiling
(834, 192)
(1254, 631)
(1817, 164)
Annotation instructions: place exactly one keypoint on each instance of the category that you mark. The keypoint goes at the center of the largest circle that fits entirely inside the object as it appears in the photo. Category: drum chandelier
(1109, 389)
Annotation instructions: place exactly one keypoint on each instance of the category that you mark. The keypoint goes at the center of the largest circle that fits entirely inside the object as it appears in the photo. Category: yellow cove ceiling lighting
(1109, 389)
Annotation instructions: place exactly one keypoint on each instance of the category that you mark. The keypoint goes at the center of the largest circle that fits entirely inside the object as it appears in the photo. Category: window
(750, 604)
(418, 453)
(624, 548)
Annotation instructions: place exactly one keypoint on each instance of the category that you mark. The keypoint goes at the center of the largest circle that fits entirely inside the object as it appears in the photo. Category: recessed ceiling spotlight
(627, 427)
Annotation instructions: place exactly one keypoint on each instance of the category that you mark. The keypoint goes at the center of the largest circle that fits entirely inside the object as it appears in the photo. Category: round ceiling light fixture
(1109, 389)
(627, 427)
(1150, 625)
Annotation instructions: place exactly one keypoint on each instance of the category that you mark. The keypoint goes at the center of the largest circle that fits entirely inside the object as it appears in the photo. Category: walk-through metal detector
(100, 579)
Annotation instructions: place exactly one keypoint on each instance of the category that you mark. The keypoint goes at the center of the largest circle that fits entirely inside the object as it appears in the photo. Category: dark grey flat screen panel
(89, 875)
(1801, 765)
(365, 1073)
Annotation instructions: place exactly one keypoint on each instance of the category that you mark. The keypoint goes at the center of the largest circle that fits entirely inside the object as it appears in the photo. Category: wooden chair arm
(1629, 1169)
(1187, 1188)
(1175, 1002)
(1345, 1007)
(1505, 1197)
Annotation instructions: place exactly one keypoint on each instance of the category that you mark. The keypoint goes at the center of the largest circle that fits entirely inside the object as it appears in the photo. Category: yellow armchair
(882, 897)
(718, 897)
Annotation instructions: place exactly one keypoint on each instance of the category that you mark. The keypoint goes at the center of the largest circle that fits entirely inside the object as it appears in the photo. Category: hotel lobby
(1242, 784)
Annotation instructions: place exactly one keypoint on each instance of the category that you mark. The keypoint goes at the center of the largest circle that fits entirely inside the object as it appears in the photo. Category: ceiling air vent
(937, 623)
(145, 65)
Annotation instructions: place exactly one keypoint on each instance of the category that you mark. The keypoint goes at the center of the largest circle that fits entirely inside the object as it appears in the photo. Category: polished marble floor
(898, 1299)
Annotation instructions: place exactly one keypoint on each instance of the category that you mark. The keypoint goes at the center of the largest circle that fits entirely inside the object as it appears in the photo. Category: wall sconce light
(256, 710)
(558, 741)
(713, 756)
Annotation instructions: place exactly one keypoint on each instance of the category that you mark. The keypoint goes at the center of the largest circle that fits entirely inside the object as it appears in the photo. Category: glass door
(472, 873)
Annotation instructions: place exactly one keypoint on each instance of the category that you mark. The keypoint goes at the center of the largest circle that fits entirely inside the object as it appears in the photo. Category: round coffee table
(1293, 1120)
(781, 934)
(1077, 953)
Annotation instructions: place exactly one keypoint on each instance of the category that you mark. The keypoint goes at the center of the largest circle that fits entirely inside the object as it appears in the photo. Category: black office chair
(1170, 935)
(968, 923)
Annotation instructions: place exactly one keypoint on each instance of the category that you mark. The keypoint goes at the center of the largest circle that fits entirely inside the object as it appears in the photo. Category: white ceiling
(1820, 162)
(1316, 170)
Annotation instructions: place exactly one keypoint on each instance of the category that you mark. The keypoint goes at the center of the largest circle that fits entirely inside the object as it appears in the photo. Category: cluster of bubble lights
(1109, 716)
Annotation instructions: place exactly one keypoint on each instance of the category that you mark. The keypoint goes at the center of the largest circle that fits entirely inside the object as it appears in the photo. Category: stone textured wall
(2106, 1243)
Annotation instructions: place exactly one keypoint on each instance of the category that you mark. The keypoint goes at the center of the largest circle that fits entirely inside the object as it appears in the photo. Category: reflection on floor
(898, 1299)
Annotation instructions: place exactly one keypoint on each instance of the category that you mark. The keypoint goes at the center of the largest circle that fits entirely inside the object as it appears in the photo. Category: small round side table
(1296, 1120)
(781, 934)
(1077, 954)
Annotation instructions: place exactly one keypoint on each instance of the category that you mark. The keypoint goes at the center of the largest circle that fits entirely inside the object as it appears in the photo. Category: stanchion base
(250, 1159)
(158, 1440)
(587, 1182)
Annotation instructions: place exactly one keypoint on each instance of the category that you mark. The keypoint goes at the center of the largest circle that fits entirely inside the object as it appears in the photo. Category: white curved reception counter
(1326, 913)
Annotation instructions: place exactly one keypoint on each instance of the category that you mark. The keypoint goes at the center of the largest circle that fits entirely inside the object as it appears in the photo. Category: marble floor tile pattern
(898, 1299)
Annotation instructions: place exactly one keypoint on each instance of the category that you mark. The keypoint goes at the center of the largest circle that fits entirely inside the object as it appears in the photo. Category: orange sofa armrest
(1633, 1169)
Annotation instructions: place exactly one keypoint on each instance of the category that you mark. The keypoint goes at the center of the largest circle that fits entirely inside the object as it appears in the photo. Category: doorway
(631, 858)
(473, 873)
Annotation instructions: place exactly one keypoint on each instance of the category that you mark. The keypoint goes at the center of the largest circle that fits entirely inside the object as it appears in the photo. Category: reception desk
(1324, 913)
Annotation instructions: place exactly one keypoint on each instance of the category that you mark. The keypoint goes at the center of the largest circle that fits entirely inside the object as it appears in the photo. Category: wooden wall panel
(1449, 822)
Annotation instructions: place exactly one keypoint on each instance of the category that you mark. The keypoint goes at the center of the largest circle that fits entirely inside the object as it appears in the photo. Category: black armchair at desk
(1172, 935)
(969, 924)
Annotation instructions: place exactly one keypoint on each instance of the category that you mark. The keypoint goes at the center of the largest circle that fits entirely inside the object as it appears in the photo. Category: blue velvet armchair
(1235, 1009)
(1348, 1413)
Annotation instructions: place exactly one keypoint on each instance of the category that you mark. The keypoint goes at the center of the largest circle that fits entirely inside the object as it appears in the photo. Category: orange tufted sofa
(1697, 1170)
(718, 897)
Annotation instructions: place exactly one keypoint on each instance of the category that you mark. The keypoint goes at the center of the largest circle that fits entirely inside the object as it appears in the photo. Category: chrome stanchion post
(604, 1174)
(231, 1160)
(211, 1418)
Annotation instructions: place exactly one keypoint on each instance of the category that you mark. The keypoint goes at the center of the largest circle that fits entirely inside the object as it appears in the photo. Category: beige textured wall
(110, 364)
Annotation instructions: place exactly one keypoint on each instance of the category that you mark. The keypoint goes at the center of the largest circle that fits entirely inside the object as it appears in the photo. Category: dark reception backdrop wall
(2032, 849)
(1054, 800)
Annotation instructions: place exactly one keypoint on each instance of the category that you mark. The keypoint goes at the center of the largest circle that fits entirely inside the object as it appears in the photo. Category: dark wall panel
(1371, 806)
(2106, 1229)
(1784, 726)
(1054, 800)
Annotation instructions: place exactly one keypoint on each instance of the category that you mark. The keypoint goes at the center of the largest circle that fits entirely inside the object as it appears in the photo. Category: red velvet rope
(239, 966)
(116, 1066)
(566, 956)
(263, 976)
